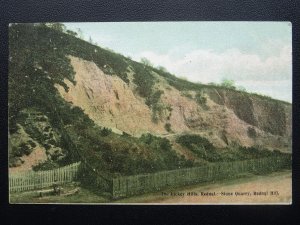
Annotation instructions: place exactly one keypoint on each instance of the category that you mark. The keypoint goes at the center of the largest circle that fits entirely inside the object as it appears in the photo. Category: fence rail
(25, 181)
(131, 185)
(125, 186)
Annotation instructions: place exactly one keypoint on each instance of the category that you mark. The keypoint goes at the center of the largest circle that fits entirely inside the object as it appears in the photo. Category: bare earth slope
(228, 117)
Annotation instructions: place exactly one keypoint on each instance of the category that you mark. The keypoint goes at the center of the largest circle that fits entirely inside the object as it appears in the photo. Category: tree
(91, 40)
(146, 62)
(71, 33)
(57, 26)
(163, 69)
(228, 83)
(241, 88)
(80, 33)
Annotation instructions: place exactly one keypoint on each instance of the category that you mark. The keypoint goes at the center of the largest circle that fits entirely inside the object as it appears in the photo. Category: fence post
(35, 180)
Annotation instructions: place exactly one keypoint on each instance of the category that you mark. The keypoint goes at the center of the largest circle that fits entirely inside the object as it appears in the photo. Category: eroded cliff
(227, 117)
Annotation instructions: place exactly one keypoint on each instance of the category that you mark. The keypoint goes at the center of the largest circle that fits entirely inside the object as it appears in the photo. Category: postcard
(150, 113)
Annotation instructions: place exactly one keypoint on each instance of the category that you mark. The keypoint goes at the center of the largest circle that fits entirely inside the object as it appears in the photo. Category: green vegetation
(199, 145)
(39, 59)
(185, 85)
(145, 81)
(163, 149)
(200, 99)
(230, 84)
(186, 94)
(146, 62)
(205, 150)
(153, 101)
(47, 165)
(143, 78)
(168, 127)
(251, 132)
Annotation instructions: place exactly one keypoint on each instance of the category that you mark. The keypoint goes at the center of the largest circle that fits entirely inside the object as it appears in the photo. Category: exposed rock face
(270, 116)
(227, 117)
(108, 100)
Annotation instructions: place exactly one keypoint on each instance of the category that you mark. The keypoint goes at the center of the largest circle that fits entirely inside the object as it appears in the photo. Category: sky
(256, 55)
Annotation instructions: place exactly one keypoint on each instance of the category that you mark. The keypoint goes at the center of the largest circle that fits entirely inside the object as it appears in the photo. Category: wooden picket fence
(132, 185)
(25, 181)
(125, 186)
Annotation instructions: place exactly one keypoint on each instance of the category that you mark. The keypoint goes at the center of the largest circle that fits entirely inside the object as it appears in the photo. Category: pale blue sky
(256, 55)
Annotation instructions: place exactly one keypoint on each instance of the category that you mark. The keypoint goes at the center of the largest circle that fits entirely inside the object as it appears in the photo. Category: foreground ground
(272, 188)
(264, 189)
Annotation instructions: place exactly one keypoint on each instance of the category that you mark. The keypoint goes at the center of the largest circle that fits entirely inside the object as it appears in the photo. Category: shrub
(32, 144)
(52, 142)
(157, 110)
(47, 128)
(162, 69)
(125, 134)
(200, 146)
(200, 99)
(25, 149)
(143, 79)
(187, 94)
(228, 84)
(105, 132)
(17, 151)
(47, 165)
(251, 132)
(146, 62)
(14, 161)
(154, 98)
(47, 146)
(168, 127)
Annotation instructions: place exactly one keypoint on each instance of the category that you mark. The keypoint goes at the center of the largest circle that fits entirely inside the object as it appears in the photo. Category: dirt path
(268, 189)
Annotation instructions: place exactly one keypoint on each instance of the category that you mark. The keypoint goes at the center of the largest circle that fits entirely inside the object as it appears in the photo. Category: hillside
(70, 100)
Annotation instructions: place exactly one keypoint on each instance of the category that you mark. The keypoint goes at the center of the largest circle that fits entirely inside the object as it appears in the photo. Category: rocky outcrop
(269, 115)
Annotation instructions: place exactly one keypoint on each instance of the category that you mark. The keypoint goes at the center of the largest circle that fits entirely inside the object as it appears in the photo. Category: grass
(83, 196)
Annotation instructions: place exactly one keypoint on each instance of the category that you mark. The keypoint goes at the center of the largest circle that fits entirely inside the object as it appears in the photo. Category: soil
(280, 183)
(37, 156)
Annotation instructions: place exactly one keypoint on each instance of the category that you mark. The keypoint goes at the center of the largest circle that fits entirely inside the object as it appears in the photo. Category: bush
(276, 151)
(251, 132)
(143, 78)
(24, 149)
(47, 128)
(200, 99)
(230, 84)
(47, 165)
(124, 134)
(200, 146)
(146, 62)
(14, 161)
(32, 144)
(187, 94)
(166, 157)
(168, 127)
(47, 146)
(105, 132)
(17, 151)
(52, 142)
(153, 99)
